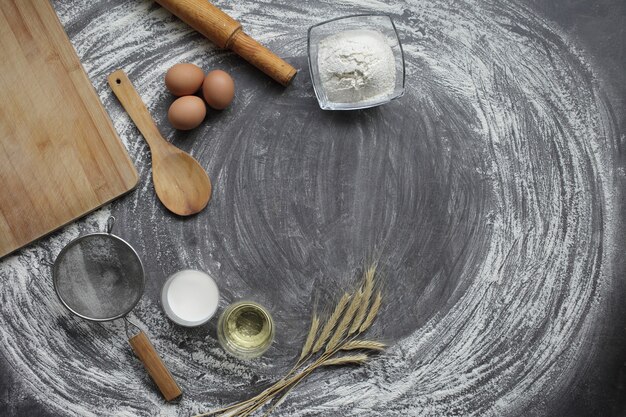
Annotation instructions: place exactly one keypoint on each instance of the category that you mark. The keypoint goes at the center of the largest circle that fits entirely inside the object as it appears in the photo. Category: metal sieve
(100, 277)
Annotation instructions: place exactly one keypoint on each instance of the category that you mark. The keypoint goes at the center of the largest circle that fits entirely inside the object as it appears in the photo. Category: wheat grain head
(344, 360)
(308, 344)
(330, 324)
(364, 344)
(368, 290)
(347, 318)
(371, 315)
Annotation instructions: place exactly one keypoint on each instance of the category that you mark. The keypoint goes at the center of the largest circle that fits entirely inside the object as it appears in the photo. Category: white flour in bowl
(356, 66)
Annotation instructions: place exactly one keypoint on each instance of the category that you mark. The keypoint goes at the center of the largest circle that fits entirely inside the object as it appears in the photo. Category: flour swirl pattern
(487, 193)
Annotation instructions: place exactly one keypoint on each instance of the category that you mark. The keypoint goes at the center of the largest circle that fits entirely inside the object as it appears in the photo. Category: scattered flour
(520, 332)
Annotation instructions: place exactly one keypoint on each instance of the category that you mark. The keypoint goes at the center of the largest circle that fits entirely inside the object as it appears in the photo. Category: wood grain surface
(227, 33)
(60, 157)
(155, 366)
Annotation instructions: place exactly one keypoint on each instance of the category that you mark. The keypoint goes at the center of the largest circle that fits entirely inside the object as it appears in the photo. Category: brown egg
(218, 89)
(184, 79)
(186, 112)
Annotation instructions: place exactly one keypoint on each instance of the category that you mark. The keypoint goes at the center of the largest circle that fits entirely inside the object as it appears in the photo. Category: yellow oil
(246, 329)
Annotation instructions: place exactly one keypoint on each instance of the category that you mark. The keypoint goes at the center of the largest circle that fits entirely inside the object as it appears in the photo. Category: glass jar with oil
(245, 329)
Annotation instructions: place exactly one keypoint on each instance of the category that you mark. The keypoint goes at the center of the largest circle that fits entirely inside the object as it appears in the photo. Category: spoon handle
(134, 106)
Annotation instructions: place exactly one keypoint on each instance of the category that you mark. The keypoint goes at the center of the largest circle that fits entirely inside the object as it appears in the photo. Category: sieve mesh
(98, 277)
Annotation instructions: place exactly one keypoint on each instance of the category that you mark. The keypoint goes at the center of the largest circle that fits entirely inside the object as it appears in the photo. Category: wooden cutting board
(60, 156)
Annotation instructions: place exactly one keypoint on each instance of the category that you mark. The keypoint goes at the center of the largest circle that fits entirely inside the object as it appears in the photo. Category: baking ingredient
(218, 89)
(246, 329)
(356, 66)
(186, 112)
(331, 345)
(184, 79)
(190, 297)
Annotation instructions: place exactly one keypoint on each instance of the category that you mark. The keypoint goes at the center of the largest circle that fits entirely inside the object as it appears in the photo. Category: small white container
(190, 298)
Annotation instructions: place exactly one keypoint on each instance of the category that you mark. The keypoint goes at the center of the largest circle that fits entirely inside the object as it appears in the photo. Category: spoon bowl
(181, 181)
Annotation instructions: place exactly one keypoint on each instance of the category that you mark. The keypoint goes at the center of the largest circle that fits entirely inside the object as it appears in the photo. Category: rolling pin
(227, 33)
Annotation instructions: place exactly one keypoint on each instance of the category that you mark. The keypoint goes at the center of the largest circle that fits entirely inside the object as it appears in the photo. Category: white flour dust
(356, 66)
(518, 334)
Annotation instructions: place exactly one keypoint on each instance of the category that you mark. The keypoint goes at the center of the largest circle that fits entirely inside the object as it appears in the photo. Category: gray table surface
(491, 194)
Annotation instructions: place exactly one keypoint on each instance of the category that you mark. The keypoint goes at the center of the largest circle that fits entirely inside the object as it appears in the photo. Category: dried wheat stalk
(364, 344)
(367, 290)
(308, 344)
(345, 321)
(372, 313)
(344, 360)
(352, 316)
(330, 324)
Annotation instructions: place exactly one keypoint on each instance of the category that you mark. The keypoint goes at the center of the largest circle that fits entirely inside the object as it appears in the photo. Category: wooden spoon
(181, 183)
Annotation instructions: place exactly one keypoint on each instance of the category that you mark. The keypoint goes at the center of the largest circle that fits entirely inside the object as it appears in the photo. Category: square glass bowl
(375, 22)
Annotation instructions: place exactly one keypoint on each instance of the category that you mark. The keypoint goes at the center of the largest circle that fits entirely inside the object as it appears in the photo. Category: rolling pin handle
(227, 33)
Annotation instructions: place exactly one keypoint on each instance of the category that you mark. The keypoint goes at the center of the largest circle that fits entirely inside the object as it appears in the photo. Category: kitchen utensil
(180, 182)
(227, 33)
(99, 277)
(60, 156)
(379, 23)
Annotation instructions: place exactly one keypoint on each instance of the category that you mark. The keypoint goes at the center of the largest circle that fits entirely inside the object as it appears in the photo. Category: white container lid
(190, 298)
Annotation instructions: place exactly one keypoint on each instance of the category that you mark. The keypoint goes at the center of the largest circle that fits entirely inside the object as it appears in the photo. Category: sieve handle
(155, 366)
